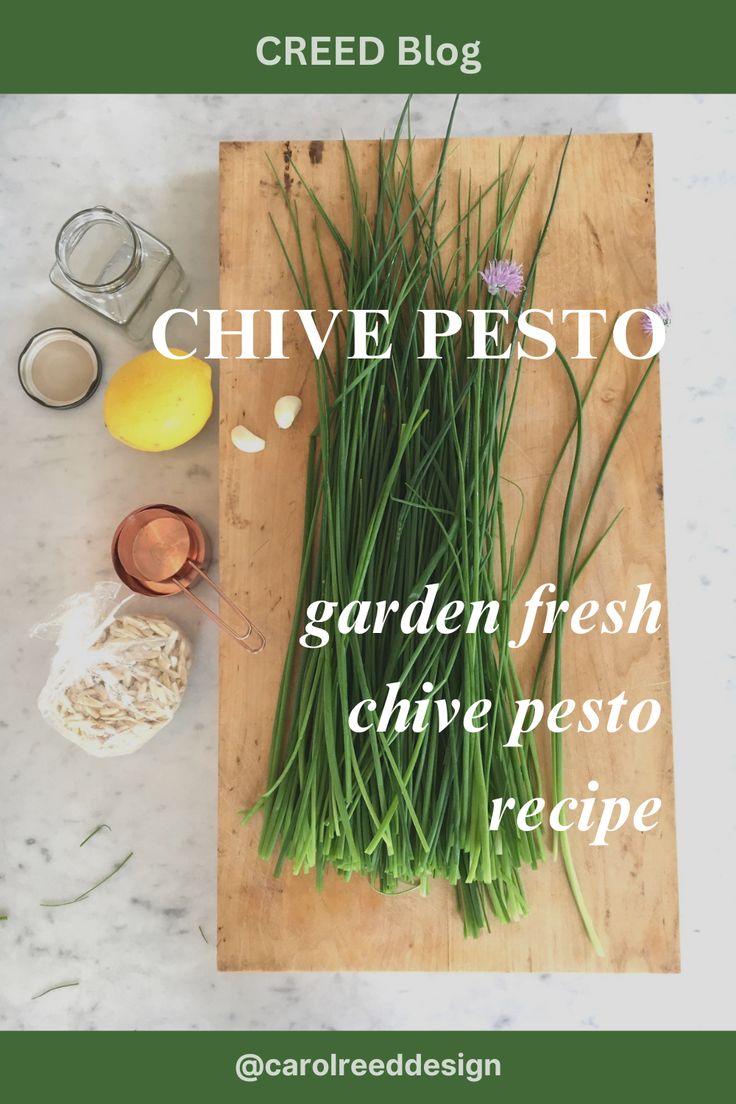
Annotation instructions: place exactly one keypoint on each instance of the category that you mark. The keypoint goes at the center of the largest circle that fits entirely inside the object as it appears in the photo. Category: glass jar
(117, 269)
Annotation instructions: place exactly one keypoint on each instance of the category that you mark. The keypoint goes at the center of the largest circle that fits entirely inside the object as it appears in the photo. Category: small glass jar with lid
(118, 269)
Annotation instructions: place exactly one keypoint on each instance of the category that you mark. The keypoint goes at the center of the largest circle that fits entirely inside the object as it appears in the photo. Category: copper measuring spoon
(162, 549)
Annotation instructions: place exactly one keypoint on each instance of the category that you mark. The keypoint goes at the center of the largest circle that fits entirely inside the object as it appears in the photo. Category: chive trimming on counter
(83, 896)
(94, 832)
(53, 988)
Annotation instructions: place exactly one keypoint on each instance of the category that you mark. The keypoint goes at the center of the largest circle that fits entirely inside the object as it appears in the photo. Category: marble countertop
(142, 948)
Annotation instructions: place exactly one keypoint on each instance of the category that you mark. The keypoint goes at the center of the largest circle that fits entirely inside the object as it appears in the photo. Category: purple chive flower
(503, 276)
(662, 310)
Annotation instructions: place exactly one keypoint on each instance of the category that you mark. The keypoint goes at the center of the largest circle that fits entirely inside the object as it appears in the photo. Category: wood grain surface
(600, 252)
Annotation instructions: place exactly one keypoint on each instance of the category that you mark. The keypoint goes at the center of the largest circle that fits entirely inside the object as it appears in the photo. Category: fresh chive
(404, 487)
(83, 896)
(201, 932)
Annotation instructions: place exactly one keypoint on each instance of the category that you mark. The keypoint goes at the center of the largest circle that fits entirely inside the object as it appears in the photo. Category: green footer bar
(379, 1066)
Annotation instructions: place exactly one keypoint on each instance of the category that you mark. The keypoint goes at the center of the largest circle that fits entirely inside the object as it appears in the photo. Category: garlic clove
(286, 410)
(246, 441)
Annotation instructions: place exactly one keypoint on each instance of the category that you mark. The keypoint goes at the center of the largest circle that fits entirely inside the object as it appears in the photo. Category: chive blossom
(503, 275)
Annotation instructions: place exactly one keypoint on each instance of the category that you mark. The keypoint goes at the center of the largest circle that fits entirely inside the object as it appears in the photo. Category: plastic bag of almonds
(117, 677)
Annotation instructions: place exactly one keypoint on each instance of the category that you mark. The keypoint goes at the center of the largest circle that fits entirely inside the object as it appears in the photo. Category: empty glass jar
(117, 269)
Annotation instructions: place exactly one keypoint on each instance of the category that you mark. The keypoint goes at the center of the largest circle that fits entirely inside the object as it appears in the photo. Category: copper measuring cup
(159, 550)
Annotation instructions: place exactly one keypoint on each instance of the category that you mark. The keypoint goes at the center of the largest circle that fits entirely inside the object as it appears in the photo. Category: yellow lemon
(153, 403)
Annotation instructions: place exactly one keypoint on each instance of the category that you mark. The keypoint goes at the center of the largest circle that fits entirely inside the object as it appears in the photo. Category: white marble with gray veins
(135, 945)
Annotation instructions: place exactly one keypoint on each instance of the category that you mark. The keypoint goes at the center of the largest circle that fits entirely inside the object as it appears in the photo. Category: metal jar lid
(59, 368)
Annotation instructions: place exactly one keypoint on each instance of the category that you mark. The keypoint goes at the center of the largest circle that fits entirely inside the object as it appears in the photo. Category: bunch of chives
(404, 488)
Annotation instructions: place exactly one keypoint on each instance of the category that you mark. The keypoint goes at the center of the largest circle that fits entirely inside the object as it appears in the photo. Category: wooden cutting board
(600, 253)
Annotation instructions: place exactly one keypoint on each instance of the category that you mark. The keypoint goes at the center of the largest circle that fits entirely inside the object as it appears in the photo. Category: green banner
(384, 47)
(276, 1065)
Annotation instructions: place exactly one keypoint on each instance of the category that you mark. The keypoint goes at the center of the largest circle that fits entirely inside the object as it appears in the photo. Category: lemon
(154, 404)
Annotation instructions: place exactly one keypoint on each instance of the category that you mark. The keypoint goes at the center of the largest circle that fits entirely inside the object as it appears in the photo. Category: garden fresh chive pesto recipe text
(394, 713)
